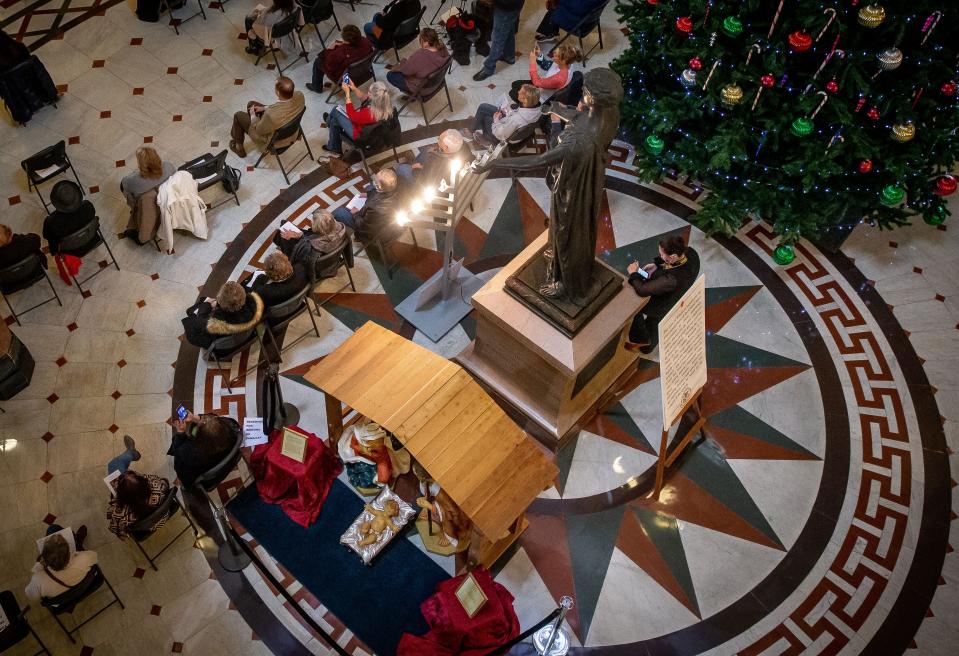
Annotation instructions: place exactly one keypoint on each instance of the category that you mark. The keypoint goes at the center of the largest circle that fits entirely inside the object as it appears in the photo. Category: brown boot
(237, 148)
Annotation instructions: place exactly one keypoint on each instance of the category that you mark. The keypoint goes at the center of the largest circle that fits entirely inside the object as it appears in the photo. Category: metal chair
(344, 257)
(227, 346)
(316, 13)
(282, 314)
(432, 85)
(67, 601)
(175, 23)
(84, 241)
(231, 556)
(142, 529)
(521, 138)
(209, 170)
(584, 27)
(22, 275)
(282, 133)
(18, 628)
(382, 241)
(360, 73)
(46, 165)
(403, 34)
(572, 93)
(377, 137)
(290, 27)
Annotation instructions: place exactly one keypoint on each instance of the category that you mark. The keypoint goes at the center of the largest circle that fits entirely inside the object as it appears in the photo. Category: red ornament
(945, 185)
(865, 166)
(832, 86)
(652, 2)
(873, 113)
(695, 63)
(684, 24)
(799, 41)
(767, 80)
(948, 89)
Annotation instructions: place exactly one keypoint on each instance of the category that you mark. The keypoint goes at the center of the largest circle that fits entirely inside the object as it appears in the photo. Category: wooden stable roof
(483, 460)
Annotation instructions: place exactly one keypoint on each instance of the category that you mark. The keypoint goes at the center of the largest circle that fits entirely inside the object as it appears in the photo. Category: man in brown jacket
(261, 122)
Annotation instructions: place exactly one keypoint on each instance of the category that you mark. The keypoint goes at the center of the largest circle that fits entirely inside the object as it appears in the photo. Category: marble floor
(815, 517)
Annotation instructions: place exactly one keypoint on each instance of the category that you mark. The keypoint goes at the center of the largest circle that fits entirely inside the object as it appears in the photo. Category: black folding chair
(315, 13)
(322, 265)
(432, 85)
(360, 73)
(350, 2)
(403, 34)
(22, 275)
(142, 529)
(209, 170)
(46, 165)
(18, 628)
(67, 601)
(83, 241)
(291, 129)
(383, 240)
(584, 27)
(279, 316)
(521, 138)
(289, 26)
(572, 93)
(376, 137)
(175, 23)
(227, 346)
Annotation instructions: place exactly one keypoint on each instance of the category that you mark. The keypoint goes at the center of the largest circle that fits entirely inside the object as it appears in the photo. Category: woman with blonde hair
(375, 107)
(232, 311)
(565, 58)
(142, 184)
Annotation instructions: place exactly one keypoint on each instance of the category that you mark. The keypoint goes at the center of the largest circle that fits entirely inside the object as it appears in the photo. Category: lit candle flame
(402, 218)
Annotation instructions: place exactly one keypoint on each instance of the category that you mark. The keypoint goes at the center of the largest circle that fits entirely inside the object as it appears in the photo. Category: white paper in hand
(286, 226)
(111, 481)
(253, 431)
(356, 203)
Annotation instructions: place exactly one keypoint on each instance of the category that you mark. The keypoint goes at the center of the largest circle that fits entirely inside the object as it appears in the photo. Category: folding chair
(46, 165)
(66, 602)
(360, 73)
(289, 26)
(209, 170)
(142, 529)
(282, 133)
(22, 275)
(83, 241)
(316, 13)
(175, 23)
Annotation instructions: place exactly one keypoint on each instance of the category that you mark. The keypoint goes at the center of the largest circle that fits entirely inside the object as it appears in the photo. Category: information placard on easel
(682, 351)
(294, 445)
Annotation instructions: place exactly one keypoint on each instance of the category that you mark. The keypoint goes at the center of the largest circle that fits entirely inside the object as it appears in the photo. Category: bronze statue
(577, 169)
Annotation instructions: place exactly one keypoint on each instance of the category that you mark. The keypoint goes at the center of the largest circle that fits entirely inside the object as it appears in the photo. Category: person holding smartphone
(200, 443)
(664, 281)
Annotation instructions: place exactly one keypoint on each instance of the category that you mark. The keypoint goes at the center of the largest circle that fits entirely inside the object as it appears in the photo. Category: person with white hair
(350, 119)
(382, 200)
(433, 161)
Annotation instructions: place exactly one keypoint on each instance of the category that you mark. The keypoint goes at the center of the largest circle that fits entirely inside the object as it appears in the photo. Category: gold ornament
(903, 132)
(872, 16)
(731, 94)
(890, 59)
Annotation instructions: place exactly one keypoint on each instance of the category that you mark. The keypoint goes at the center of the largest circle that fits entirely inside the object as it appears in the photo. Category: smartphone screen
(643, 273)
(182, 412)
(346, 78)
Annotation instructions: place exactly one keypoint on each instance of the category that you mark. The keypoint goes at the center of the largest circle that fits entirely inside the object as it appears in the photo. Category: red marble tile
(154, 276)
(940, 298)
(207, 52)
(14, 200)
(141, 303)
(177, 647)
(72, 327)
(53, 398)
(62, 88)
(917, 269)
(86, 650)
(207, 99)
(46, 477)
(147, 140)
(105, 114)
(894, 244)
(116, 395)
(73, 141)
(177, 118)
(136, 41)
(138, 91)
(61, 361)
(238, 81)
(171, 71)
(95, 189)
(113, 428)
(122, 363)
(46, 437)
(155, 610)
(214, 144)
(99, 63)
(49, 519)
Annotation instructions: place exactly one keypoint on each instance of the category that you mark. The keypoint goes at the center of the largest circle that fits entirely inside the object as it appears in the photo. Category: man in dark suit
(71, 214)
(667, 278)
(14, 248)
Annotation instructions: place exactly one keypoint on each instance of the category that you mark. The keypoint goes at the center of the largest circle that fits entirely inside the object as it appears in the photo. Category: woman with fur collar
(232, 311)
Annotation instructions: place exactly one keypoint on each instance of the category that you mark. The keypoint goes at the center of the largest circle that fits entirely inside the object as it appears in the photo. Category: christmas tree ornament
(825, 98)
(930, 25)
(903, 132)
(872, 16)
(832, 53)
(688, 78)
(772, 26)
(836, 138)
(754, 48)
(891, 195)
(654, 145)
(784, 254)
(710, 76)
(945, 185)
(799, 41)
(732, 26)
(873, 113)
(731, 95)
(948, 89)
(695, 63)
(801, 127)
(765, 82)
(652, 3)
(890, 59)
(937, 217)
(865, 166)
(684, 25)
(832, 86)
(832, 17)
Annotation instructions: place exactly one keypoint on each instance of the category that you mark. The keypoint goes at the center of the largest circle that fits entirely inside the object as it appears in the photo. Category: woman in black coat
(232, 311)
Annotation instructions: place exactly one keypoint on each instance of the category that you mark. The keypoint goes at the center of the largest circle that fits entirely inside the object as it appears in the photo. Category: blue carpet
(378, 602)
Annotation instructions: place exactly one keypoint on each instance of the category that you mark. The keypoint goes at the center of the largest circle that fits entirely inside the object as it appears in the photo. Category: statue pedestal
(542, 375)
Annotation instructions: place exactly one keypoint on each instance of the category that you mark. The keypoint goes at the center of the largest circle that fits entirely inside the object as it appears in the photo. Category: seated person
(261, 20)
(200, 443)
(412, 72)
(56, 569)
(566, 14)
(137, 495)
(566, 60)
(334, 61)
(14, 248)
(433, 161)
(379, 210)
(351, 120)
(261, 122)
(232, 311)
(380, 29)
(72, 213)
(151, 173)
(281, 282)
(492, 124)
(324, 236)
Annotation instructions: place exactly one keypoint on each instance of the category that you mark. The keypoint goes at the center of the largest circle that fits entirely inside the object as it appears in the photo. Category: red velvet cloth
(452, 632)
(300, 488)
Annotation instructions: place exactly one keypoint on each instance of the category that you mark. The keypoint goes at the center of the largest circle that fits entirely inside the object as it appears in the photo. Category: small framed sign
(470, 595)
(294, 445)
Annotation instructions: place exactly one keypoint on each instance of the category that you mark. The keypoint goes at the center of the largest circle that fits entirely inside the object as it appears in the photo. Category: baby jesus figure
(373, 529)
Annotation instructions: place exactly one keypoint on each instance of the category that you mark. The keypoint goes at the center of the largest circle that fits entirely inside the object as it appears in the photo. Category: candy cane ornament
(753, 48)
(709, 77)
(825, 98)
(930, 25)
(832, 17)
(772, 28)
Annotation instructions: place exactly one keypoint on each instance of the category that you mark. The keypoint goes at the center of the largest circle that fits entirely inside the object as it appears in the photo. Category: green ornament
(938, 216)
(654, 145)
(732, 26)
(784, 254)
(891, 195)
(801, 127)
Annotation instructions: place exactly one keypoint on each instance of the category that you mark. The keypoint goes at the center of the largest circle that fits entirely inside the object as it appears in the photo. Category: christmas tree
(806, 114)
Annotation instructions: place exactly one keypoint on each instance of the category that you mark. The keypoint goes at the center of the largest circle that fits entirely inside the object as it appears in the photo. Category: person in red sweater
(414, 70)
(351, 119)
(566, 58)
(334, 61)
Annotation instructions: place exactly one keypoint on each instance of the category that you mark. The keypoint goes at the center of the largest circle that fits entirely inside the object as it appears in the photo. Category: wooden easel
(667, 458)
